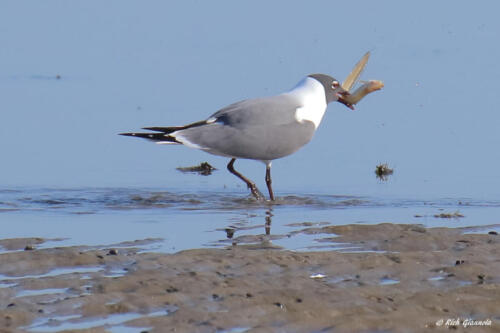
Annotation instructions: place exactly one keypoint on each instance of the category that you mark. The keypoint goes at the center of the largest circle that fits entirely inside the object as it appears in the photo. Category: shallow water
(63, 323)
(177, 220)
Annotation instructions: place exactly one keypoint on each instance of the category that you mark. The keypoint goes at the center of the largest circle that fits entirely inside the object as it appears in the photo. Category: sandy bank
(409, 279)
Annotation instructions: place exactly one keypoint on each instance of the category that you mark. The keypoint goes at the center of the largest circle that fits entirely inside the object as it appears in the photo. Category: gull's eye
(335, 84)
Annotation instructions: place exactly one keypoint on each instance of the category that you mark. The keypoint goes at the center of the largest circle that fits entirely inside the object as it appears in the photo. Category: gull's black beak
(342, 94)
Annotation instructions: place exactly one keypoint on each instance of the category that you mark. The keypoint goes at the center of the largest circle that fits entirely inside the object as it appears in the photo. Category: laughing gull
(262, 129)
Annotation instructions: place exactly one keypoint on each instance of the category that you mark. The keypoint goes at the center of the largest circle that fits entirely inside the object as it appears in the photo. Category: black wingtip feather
(163, 132)
(158, 137)
(166, 130)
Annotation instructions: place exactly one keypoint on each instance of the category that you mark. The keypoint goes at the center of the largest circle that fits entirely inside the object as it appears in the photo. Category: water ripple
(82, 201)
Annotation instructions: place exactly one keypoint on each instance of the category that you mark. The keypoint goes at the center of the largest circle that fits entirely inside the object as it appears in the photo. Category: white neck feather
(311, 96)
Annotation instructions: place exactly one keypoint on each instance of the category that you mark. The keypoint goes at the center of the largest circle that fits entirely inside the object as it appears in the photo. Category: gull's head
(333, 88)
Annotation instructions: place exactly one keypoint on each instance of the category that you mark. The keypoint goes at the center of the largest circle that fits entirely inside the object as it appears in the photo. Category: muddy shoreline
(404, 278)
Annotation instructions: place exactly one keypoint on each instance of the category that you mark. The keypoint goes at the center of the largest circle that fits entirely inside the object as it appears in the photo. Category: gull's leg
(269, 181)
(251, 185)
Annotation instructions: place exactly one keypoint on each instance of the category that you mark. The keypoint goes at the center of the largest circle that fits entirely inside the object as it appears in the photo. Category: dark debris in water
(382, 171)
(45, 77)
(454, 215)
(204, 169)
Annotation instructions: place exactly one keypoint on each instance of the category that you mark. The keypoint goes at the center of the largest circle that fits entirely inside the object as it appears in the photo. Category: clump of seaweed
(204, 169)
(454, 215)
(383, 171)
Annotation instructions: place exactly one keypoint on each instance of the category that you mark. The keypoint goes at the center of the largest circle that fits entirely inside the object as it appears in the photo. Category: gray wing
(267, 110)
(262, 129)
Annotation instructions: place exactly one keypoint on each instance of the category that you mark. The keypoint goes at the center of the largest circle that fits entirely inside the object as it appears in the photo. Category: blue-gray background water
(74, 75)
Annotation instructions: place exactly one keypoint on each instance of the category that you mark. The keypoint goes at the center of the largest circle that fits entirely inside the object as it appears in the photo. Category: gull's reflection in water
(229, 232)
(267, 225)
(264, 240)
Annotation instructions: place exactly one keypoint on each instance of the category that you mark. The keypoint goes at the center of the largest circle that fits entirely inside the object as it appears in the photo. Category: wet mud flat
(402, 278)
